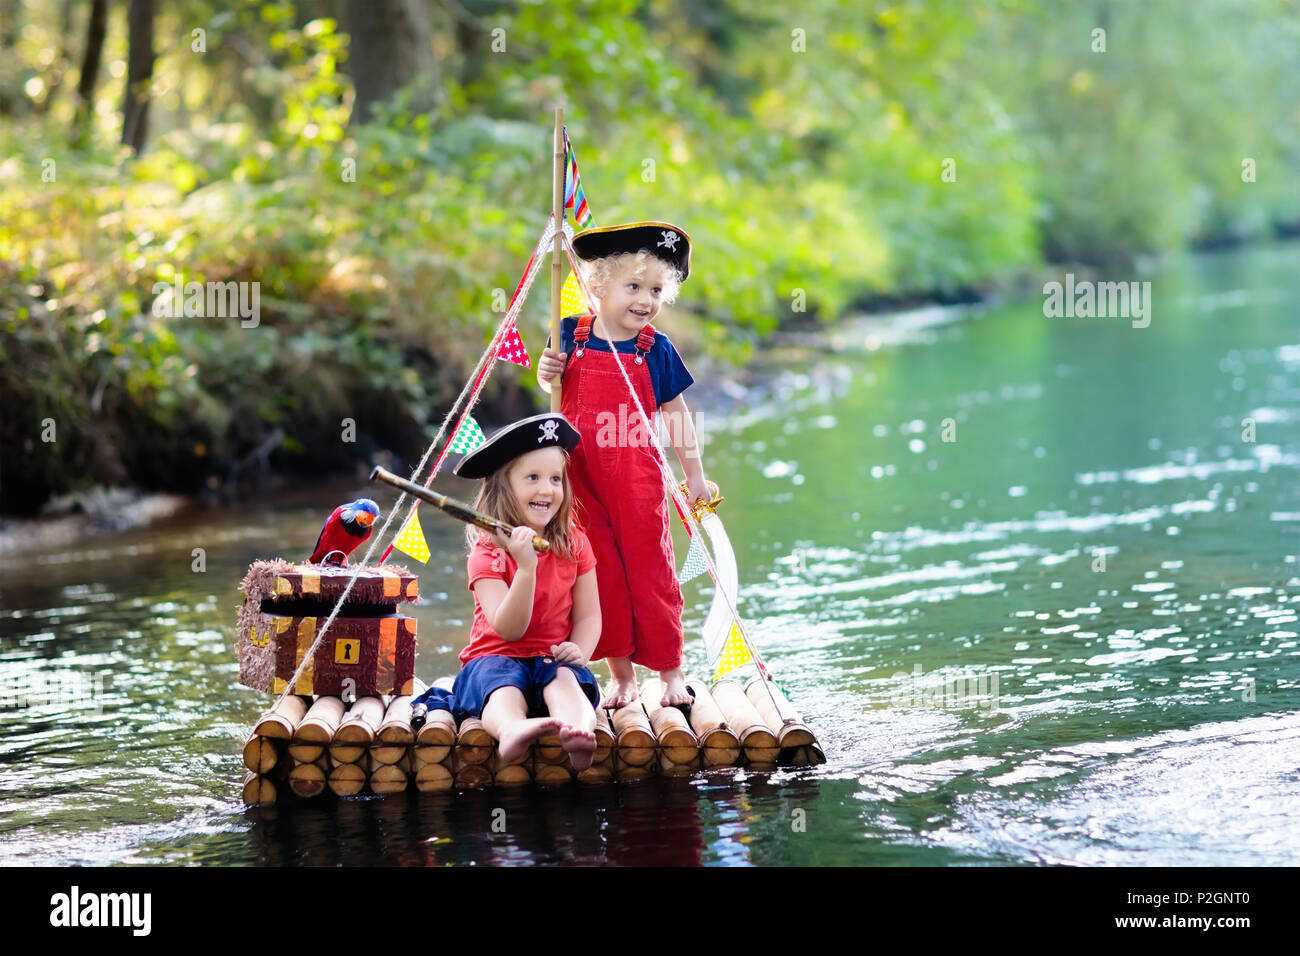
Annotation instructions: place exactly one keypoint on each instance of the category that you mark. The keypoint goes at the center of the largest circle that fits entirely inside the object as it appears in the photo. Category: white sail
(717, 626)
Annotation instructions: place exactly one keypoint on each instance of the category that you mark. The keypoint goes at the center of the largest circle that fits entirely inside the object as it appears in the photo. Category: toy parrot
(345, 529)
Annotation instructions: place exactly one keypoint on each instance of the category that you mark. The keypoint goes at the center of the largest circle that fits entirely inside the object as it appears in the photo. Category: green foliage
(803, 148)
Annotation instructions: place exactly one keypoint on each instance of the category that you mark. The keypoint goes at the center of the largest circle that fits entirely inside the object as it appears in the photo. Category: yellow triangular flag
(571, 301)
(734, 653)
(411, 539)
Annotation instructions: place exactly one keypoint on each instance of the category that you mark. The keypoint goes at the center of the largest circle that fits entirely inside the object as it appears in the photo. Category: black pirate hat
(661, 239)
(508, 443)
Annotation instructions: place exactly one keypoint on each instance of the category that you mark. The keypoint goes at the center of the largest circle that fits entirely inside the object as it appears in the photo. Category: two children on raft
(606, 588)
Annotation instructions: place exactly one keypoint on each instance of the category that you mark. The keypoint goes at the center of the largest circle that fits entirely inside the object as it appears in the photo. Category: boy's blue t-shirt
(668, 373)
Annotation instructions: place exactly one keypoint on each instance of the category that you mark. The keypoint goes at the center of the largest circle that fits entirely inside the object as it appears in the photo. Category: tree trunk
(139, 74)
(10, 100)
(392, 45)
(474, 20)
(96, 28)
(8, 24)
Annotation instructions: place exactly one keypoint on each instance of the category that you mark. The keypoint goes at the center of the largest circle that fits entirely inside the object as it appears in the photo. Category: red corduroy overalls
(615, 476)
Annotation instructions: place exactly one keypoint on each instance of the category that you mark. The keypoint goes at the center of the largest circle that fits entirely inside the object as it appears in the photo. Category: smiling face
(538, 486)
(630, 299)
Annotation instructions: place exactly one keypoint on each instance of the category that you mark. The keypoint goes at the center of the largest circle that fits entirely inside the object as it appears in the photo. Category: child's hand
(698, 488)
(520, 546)
(550, 364)
(569, 653)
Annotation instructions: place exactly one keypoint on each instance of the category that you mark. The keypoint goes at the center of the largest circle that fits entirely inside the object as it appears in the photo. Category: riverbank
(723, 390)
(89, 514)
(727, 391)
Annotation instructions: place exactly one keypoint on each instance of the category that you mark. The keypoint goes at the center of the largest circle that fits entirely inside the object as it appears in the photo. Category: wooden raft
(308, 746)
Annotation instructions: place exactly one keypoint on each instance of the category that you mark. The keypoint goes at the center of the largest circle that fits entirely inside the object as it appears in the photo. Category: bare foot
(518, 735)
(579, 744)
(675, 691)
(620, 692)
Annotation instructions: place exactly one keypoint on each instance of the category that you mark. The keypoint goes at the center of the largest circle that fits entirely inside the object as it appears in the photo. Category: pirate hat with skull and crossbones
(508, 443)
(661, 239)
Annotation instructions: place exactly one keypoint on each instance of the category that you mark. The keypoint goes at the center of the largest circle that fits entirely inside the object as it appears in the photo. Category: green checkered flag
(468, 437)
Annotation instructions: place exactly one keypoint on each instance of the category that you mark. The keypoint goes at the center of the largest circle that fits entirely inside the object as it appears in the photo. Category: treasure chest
(369, 649)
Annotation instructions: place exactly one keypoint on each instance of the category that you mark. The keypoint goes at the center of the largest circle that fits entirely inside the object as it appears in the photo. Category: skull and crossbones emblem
(550, 428)
(670, 240)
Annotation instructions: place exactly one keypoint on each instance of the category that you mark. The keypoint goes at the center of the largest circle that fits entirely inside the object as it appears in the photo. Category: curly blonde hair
(598, 273)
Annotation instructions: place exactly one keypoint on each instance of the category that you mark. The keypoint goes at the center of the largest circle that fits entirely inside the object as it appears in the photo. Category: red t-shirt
(552, 619)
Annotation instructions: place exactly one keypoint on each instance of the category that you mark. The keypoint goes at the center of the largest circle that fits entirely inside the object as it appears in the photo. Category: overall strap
(582, 333)
(645, 340)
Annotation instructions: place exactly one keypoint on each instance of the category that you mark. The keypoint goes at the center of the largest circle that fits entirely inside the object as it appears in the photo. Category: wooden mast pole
(557, 254)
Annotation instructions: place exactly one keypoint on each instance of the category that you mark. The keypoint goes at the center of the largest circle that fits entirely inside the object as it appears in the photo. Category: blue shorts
(483, 675)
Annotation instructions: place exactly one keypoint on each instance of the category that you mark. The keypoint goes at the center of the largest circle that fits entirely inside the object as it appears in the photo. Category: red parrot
(345, 529)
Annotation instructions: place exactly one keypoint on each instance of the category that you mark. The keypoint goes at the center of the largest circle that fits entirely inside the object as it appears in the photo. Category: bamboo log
(757, 741)
(306, 753)
(346, 753)
(809, 755)
(626, 772)
(557, 253)
(394, 735)
(361, 723)
(389, 752)
(514, 773)
(308, 779)
(470, 776)
(432, 777)
(548, 749)
(604, 737)
(633, 735)
(436, 738)
(279, 722)
(779, 715)
(356, 732)
(719, 745)
(670, 768)
(552, 774)
(671, 728)
(260, 754)
(347, 779)
(759, 766)
(597, 773)
(474, 745)
(259, 790)
(316, 729)
(389, 777)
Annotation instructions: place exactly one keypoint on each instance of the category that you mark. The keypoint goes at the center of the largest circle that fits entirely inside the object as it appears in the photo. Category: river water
(1033, 581)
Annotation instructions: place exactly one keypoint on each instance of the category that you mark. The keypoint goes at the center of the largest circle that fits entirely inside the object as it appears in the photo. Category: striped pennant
(574, 198)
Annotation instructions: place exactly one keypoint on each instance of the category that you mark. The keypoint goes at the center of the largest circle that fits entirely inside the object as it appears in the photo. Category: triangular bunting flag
(734, 653)
(571, 301)
(574, 198)
(695, 564)
(411, 539)
(512, 348)
(468, 437)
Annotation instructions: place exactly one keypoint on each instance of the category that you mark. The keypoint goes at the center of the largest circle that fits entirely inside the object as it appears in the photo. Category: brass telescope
(454, 508)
